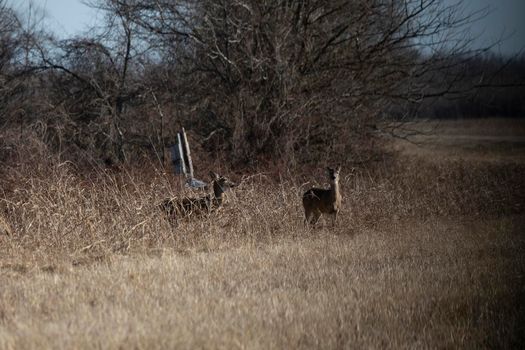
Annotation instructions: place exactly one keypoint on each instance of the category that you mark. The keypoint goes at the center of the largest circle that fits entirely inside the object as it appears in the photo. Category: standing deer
(176, 208)
(317, 201)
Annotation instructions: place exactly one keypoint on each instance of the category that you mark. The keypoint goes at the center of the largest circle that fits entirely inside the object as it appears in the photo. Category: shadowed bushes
(55, 208)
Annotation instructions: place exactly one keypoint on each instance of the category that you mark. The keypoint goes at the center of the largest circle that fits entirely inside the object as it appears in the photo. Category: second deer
(176, 208)
(317, 201)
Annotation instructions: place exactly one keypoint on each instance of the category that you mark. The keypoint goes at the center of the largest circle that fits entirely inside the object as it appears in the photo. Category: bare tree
(287, 77)
(258, 79)
(20, 37)
(96, 76)
(9, 44)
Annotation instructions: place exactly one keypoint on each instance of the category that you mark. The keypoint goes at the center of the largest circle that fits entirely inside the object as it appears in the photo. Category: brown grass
(494, 140)
(425, 255)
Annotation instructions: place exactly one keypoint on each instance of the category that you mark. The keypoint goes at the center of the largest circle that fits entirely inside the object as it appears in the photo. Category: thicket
(292, 82)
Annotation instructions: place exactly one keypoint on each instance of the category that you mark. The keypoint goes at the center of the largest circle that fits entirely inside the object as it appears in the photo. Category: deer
(317, 201)
(176, 208)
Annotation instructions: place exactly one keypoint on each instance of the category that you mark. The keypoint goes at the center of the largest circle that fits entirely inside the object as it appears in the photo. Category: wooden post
(187, 153)
(180, 148)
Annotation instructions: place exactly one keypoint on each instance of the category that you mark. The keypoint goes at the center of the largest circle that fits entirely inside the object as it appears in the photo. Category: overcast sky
(506, 18)
(69, 17)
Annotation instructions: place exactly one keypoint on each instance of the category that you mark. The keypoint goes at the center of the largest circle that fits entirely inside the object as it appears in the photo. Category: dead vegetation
(425, 254)
(428, 247)
(5, 229)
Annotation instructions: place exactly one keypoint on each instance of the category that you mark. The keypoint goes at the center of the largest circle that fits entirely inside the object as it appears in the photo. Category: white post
(186, 147)
(181, 153)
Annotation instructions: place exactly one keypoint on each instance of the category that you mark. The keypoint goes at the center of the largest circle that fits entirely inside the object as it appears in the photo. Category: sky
(65, 17)
(506, 18)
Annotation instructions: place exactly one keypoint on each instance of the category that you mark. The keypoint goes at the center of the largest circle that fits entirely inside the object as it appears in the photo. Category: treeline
(495, 88)
(251, 80)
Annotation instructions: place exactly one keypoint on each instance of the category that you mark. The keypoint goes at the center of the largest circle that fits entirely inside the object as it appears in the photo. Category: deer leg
(307, 217)
(315, 218)
(334, 219)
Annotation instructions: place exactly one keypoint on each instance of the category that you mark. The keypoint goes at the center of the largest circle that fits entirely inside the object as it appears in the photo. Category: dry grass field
(478, 140)
(428, 252)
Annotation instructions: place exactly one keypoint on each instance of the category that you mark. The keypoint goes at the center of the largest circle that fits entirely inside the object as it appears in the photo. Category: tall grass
(423, 255)
(63, 212)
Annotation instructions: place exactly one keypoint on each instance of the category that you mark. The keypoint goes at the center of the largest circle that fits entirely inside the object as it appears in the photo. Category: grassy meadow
(428, 252)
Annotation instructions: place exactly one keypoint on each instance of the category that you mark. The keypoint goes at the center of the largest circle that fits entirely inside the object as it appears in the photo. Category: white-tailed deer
(317, 201)
(176, 208)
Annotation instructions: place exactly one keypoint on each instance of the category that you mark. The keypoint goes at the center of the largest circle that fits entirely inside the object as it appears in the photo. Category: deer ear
(214, 175)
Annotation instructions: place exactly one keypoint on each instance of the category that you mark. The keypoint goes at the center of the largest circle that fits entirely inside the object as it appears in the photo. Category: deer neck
(334, 189)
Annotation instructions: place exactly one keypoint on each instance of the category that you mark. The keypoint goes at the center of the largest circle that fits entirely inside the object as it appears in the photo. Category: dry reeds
(423, 256)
